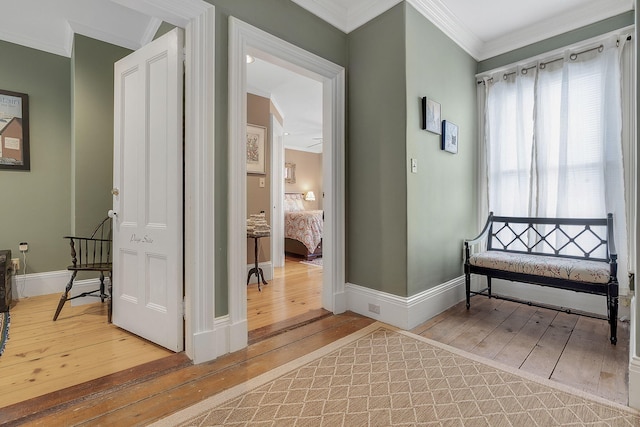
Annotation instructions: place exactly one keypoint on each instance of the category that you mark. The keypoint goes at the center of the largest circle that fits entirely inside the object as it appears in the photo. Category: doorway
(245, 39)
(286, 107)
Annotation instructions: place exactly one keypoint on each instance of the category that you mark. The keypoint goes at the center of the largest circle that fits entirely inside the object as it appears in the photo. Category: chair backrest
(92, 252)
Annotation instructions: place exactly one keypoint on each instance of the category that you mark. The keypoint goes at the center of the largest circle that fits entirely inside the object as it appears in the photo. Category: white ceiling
(482, 28)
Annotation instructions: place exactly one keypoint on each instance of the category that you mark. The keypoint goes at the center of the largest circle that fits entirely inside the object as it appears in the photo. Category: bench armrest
(483, 234)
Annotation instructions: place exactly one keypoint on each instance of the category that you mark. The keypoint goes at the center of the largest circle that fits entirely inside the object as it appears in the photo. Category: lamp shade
(310, 196)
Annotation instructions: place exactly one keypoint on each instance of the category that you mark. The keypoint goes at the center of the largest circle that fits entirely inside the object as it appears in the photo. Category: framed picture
(449, 137)
(255, 150)
(14, 130)
(430, 115)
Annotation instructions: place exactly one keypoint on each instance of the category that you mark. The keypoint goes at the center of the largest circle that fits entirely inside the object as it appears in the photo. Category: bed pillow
(293, 203)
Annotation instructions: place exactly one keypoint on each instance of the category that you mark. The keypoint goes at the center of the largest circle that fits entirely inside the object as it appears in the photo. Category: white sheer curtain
(552, 134)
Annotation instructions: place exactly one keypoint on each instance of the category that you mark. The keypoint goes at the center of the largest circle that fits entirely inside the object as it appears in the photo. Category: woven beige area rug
(382, 376)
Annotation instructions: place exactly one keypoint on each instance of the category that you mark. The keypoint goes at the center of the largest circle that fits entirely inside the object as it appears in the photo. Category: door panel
(148, 236)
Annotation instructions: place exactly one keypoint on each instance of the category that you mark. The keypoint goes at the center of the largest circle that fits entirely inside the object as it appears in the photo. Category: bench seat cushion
(540, 265)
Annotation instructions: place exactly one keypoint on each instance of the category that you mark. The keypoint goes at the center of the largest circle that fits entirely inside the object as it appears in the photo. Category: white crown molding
(175, 12)
(327, 10)
(363, 11)
(107, 37)
(555, 26)
(45, 45)
(436, 12)
(359, 12)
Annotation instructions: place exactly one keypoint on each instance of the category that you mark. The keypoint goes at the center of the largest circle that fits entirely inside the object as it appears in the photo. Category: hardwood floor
(570, 349)
(43, 356)
(294, 291)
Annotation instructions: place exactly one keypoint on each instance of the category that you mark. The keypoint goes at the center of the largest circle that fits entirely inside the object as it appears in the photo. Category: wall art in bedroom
(14, 130)
(256, 149)
(449, 137)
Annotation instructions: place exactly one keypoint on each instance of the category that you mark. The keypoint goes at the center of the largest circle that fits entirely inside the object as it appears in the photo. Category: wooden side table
(257, 270)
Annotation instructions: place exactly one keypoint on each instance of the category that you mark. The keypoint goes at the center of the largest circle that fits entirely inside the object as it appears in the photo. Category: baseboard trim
(404, 312)
(634, 357)
(35, 284)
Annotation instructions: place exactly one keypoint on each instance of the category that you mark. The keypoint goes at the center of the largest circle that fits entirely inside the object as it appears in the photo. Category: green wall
(92, 124)
(36, 204)
(376, 223)
(290, 22)
(405, 230)
(441, 202)
(71, 142)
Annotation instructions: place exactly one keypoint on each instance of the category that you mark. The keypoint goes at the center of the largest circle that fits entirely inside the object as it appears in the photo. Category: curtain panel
(552, 140)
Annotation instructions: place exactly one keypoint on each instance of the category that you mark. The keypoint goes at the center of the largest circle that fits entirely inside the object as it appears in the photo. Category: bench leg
(65, 296)
(489, 286)
(467, 284)
(612, 301)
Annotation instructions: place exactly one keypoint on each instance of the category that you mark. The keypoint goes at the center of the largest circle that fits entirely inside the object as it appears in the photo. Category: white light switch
(414, 165)
(261, 182)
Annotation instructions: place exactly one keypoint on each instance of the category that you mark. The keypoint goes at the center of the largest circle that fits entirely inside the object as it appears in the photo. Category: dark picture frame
(431, 115)
(14, 131)
(449, 137)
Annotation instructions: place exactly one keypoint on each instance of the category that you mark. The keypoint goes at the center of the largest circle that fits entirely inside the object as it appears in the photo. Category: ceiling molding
(175, 12)
(62, 49)
(327, 10)
(106, 36)
(557, 25)
(436, 12)
(364, 11)
(357, 12)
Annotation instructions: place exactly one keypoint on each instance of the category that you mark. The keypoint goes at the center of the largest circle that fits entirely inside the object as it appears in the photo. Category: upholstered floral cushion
(540, 265)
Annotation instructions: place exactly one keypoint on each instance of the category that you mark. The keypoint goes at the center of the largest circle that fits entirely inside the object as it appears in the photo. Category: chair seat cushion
(547, 266)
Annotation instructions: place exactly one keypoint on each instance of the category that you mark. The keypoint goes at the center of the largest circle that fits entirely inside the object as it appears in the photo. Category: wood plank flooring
(43, 356)
(570, 349)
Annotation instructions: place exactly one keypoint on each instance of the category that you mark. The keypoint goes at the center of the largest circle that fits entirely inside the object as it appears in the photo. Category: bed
(302, 228)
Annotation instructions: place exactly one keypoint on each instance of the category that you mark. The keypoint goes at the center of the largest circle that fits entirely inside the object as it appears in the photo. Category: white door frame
(277, 192)
(197, 17)
(245, 39)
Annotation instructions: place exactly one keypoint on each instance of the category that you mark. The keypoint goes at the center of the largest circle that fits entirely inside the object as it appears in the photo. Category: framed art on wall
(14, 130)
(256, 150)
(449, 137)
(430, 115)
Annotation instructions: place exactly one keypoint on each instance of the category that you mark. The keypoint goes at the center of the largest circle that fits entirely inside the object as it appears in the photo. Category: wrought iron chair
(90, 254)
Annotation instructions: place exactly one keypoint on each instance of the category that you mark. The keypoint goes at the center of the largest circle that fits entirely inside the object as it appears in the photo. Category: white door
(147, 201)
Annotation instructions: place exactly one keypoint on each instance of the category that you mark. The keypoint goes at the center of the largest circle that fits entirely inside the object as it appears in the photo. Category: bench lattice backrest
(562, 237)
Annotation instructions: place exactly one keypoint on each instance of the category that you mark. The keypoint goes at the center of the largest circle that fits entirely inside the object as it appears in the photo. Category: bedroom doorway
(287, 106)
(244, 40)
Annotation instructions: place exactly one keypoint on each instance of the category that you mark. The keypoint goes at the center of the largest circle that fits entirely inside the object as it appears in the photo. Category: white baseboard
(634, 356)
(209, 345)
(404, 312)
(53, 282)
(267, 270)
(31, 285)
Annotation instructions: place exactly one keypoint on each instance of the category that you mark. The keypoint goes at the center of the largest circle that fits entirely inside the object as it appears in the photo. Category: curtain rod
(542, 65)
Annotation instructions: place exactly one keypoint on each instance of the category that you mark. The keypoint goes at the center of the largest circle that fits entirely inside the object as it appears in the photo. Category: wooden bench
(564, 253)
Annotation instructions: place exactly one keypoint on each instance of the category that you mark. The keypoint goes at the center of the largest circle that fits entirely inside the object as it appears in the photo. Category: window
(553, 139)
